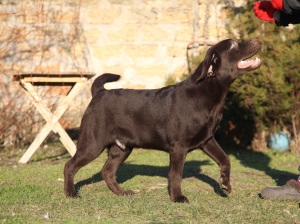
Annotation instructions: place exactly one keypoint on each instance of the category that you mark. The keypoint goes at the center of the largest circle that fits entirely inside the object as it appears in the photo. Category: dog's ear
(210, 67)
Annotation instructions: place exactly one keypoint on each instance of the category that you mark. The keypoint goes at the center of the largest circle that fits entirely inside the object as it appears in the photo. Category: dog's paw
(225, 185)
(72, 195)
(128, 192)
(226, 189)
(181, 199)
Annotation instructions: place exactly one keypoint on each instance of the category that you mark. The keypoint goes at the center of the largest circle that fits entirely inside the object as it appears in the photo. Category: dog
(176, 119)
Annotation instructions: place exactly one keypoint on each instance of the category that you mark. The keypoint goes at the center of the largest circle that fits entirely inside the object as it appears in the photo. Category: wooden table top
(53, 78)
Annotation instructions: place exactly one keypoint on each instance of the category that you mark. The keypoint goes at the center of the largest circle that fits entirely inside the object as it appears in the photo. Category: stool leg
(37, 142)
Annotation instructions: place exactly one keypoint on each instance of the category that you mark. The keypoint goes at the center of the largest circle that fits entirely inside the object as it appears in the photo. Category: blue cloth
(279, 141)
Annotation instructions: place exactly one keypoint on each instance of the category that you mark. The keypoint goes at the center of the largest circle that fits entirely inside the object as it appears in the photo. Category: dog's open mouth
(251, 63)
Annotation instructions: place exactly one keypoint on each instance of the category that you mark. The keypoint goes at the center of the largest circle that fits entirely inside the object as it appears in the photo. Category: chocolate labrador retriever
(176, 119)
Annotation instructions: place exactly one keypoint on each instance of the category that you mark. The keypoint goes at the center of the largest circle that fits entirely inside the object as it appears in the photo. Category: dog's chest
(205, 128)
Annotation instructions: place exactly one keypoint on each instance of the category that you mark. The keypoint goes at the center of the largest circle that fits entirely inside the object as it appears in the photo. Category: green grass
(33, 193)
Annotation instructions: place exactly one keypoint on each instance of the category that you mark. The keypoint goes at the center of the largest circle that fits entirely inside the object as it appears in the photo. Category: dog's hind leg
(175, 176)
(84, 155)
(214, 151)
(116, 157)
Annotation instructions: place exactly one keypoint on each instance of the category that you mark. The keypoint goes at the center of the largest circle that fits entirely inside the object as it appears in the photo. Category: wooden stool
(73, 79)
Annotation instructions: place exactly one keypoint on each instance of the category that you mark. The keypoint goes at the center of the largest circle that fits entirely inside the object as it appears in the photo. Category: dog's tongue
(248, 63)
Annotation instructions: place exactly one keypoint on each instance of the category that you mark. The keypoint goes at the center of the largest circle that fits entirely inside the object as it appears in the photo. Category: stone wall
(144, 41)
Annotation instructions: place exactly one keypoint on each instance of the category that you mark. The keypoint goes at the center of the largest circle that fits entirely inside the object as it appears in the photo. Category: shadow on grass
(248, 158)
(127, 171)
(53, 158)
(258, 161)
(240, 123)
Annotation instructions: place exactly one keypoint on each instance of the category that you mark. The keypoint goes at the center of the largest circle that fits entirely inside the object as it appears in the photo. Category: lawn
(33, 193)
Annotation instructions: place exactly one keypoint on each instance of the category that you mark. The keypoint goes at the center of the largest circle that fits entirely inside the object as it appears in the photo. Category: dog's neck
(213, 89)
(219, 81)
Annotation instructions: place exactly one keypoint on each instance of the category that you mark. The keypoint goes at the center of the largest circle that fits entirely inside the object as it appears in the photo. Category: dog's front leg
(177, 159)
(214, 151)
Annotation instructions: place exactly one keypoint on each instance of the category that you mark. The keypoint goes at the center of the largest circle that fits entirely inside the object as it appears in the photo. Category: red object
(277, 4)
(264, 10)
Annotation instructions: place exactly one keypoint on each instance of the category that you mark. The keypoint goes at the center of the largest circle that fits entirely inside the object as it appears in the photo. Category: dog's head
(228, 57)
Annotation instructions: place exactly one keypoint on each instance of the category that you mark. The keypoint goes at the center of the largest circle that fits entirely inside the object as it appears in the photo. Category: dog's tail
(99, 82)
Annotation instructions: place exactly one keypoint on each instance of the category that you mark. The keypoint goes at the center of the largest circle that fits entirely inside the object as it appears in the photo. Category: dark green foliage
(272, 92)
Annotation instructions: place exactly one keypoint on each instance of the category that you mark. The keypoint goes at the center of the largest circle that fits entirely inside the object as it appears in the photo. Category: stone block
(90, 2)
(75, 35)
(6, 17)
(6, 69)
(105, 52)
(185, 2)
(113, 69)
(6, 66)
(92, 36)
(201, 2)
(9, 69)
(213, 31)
(65, 1)
(8, 34)
(178, 50)
(155, 33)
(185, 33)
(149, 71)
(222, 31)
(74, 2)
(63, 52)
(73, 51)
(77, 50)
(25, 50)
(65, 17)
(141, 50)
(201, 30)
(180, 14)
(180, 70)
(57, 90)
(133, 15)
(31, 16)
(127, 33)
(203, 12)
(129, 85)
(101, 15)
(122, 2)
(54, 33)
(48, 68)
